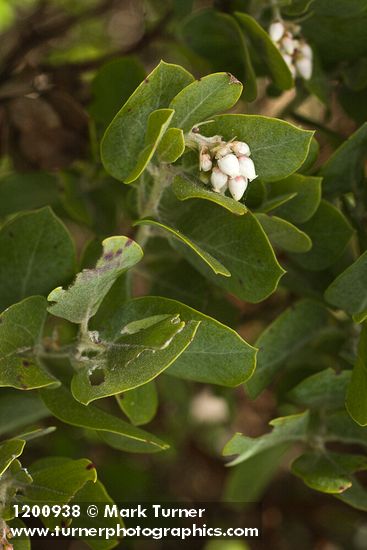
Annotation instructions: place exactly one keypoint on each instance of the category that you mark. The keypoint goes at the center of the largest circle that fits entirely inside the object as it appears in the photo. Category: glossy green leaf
(330, 233)
(306, 201)
(112, 85)
(204, 98)
(212, 262)
(323, 390)
(288, 334)
(265, 47)
(237, 242)
(158, 123)
(185, 189)
(217, 38)
(344, 170)
(287, 429)
(355, 496)
(349, 290)
(217, 355)
(81, 300)
(125, 136)
(277, 148)
(135, 356)
(36, 254)
(171, 146)
(62, 405)
(19, 409)
(270, 204)
(140, 404)
(9, 451)
(297, 7)
(284, 235)
(21, 330)
(57, 479)
(328, 472)
(357, 390)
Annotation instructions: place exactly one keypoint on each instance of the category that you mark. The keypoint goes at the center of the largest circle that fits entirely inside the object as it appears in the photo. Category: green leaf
(95, 493)
(9, 451)
(277, 148)
(265, 47)
(19, 409)
(36, 254)
(23, 543)
(236, 242)
(306, 201)
(81, 300)
(284, 235)
(248, 481)
(212, 262)
(217, 38)
(21, 327)
(355, 496)
(271, 204)
(287, 335)
(122, 142)
(356, 396)
(323, 390)
(287, 429)
(26, 191)
(330, 233)
(158, 123)
(112, 85)
(297, 7)
(185, 189)
(217, 355)
(339, 426)
(57, 479)
(329, 472)
(171, 146)
(344, 170)
(349, 290)
(204, 98)
(133, 357)
(128, 438)
(140, 404)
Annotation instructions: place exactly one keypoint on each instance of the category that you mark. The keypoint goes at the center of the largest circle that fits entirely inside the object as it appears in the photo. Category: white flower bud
(276, 31)
(237, 186)
(305, 50)
(218, 180)
(304, 67)
(289, 45)
(241, 148)
(229, 165)
(205, 162)
(223, 151)
(247, 168)
(289, 60)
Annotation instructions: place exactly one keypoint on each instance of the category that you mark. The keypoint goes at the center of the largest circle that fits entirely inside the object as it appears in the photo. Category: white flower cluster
(229, 165)
(294, 49)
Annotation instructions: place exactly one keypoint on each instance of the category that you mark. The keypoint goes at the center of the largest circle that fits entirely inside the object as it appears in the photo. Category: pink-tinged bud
(241, 148)
(304, 67)
(229, 165)
(247, 168)
(205, 162)
(276, 31)
(219, 180)
(237, 186)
